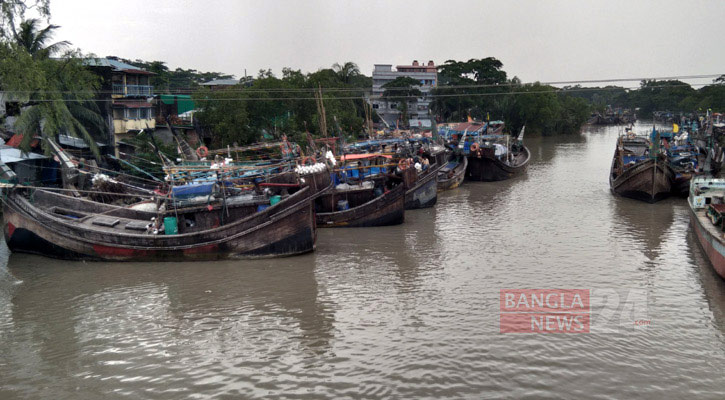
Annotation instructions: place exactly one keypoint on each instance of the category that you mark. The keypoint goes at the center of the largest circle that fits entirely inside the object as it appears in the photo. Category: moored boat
(707, 209)
(639, 171)
(452, 174)
(420, 176)
(366, 194)
(418, 160)
(684, 163)
(496, 157)
(280, 221)
(364, 208)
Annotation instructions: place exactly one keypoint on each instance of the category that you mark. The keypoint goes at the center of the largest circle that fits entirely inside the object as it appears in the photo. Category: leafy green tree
(285, 105)
(224, 116)
(55, 95)
(402, 90)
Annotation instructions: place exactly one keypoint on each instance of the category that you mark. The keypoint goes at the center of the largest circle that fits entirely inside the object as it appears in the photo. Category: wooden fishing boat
(639, 171)
(452, 174)
(418, 161)
(365, 208)
(496, 157)
(421, 190)
(707, 209)
(420, 177)
(366, 194)
(684, 162)
(279, 223)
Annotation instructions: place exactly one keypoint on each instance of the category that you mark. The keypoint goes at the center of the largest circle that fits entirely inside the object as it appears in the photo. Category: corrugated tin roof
(10, 155)
(221, 82)
(79, 143)
(116, 65)
(17, 138)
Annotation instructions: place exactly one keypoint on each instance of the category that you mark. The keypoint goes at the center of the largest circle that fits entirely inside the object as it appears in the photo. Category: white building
(417, 110)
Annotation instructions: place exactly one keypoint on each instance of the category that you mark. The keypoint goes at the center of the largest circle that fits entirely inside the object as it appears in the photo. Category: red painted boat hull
(712, 247)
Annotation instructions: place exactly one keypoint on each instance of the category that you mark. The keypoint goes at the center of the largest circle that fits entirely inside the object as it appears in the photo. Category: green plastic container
(171, 226)
(274, 200)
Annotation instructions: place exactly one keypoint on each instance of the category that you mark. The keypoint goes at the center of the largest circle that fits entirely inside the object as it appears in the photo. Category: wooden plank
(110, 222)
(137, 225)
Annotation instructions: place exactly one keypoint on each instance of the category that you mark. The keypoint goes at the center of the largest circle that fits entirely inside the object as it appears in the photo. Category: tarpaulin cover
(184, 101)
(192, 190)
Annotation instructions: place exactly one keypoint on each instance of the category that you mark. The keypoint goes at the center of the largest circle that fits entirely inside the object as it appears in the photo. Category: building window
(376, 106)
(132, 113)
(143, 113)
(118, 113)
(393, 106)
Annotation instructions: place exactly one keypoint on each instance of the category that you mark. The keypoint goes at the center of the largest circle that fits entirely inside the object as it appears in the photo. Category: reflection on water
(405, 311)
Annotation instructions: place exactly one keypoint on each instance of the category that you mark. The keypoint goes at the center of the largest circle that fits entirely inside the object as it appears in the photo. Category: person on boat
(425, 163)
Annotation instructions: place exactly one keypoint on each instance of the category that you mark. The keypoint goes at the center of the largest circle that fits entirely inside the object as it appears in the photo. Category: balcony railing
(132, 90)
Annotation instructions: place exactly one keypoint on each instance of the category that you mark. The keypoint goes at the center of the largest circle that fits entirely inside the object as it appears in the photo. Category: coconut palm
(55, 94)
(34, 40)
(346, 71)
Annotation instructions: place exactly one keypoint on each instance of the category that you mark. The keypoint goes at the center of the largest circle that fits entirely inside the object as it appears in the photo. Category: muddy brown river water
(401, 312)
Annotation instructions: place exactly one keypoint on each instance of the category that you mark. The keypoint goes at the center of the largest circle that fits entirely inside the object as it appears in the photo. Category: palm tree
(33, 39)
(55, 95)
(346, 71)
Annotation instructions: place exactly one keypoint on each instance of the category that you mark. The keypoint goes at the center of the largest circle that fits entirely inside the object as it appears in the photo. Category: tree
(12, 11)
(224, 116)
(402, 90)
(55, 95)
(346, 71)
(33, 39)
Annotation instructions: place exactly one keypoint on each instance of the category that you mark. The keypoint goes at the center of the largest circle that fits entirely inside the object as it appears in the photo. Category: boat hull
(681, 184)
(388, 209)
(488, 168)
(458, 174)
(282, 230)
(424, 192)
(648, 181)
(711, 245)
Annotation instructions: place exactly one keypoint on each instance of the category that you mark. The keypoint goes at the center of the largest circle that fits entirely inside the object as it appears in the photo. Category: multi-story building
(418, 115)
(125, 99)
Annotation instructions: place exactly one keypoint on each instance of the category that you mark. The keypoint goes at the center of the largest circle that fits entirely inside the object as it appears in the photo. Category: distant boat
(452, 174)
(496, 157)
(639, 170)
(707, 209)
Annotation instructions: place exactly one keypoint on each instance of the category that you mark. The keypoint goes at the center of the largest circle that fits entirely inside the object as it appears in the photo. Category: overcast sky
(536, 40)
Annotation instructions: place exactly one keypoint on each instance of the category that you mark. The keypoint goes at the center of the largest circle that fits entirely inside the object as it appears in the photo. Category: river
(410, 311)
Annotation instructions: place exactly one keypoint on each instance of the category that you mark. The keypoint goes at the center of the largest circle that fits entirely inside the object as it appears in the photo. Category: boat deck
(706, 223)
(123, 225)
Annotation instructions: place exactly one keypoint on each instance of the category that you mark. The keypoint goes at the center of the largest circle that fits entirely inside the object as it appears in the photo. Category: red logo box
(544, 311)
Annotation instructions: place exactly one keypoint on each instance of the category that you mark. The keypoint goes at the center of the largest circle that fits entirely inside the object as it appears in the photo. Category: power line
(379, 97)
(367, 89)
